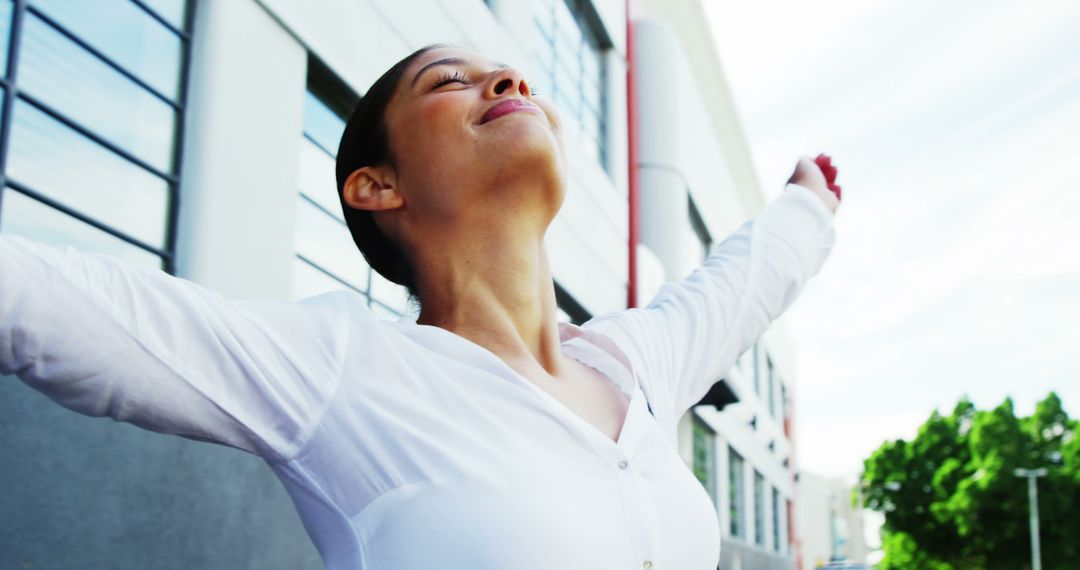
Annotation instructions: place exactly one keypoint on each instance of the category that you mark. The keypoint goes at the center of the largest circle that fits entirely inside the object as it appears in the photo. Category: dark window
(759, 509)
(570, 310)
(705, 456)
(697, 223)
(736, 493)
(776, 519)
(93, 105)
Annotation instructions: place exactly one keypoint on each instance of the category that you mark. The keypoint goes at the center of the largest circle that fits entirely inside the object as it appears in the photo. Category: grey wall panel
(86, 493)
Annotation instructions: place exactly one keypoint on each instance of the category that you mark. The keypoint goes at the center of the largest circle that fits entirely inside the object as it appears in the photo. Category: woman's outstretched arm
(106, 339)
(692, 332)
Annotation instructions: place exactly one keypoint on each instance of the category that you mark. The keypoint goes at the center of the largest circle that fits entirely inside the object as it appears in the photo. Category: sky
(955, 127)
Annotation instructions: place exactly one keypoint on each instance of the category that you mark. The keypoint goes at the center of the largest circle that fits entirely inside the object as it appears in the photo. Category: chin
(527, 156)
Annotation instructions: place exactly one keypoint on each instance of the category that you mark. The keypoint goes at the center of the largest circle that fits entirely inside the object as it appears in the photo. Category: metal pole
(1033, 497)
(1033, 511)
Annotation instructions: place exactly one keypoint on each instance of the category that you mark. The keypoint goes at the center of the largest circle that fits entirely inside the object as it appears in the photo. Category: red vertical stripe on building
(632, 160)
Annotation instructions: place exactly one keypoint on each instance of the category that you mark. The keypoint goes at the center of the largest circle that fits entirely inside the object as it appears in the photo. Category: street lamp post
(1033, 499)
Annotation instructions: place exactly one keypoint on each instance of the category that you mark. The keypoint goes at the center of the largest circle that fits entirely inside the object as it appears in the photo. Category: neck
(500, 297)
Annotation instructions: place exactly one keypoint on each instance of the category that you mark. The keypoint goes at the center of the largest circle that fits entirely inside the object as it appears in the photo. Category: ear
(372, 188)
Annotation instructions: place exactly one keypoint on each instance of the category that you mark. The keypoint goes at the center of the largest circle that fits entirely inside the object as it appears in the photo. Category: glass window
(56, 161)
(94, 125)
(736, 492)
(570, 57)
(317, 180)
(705, 457)
(125, 34)
(71, 80)
(172, 11)
(309, 281)
(759, 509)
(5, 33)
(776, 519)
(323, 240)
(26, 217)
(322, 125)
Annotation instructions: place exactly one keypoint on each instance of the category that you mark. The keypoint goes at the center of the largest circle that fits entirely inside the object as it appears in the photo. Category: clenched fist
(818, 175)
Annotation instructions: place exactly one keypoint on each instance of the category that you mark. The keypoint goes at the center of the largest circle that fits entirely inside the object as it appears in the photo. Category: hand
(818, 176)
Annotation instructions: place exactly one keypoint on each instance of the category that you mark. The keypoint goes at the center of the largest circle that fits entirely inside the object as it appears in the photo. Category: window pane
(759, 509)
(592, 96)
(590, 62)
(776, 519)
(172, 11)
(545, 17)
(328, 243)
(126, 34)
(51, 158)
(389, 293)
(317, 178)
(704, 465)
(77, 84)
(544, 57)
(566, 25)
(5, 32)
(736, 492)
(31, 219)
(309, 281)
(322, 124)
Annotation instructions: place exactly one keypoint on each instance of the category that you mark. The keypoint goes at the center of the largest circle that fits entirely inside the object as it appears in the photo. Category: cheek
(436, 134)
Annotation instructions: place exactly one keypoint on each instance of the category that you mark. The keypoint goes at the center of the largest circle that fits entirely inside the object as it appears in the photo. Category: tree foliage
(951, 499)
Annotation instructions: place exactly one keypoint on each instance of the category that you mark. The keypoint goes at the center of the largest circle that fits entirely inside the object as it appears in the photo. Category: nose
(507, 80)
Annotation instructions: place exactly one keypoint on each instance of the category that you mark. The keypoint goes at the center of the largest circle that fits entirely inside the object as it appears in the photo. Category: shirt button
(647, 564)
(623, 465)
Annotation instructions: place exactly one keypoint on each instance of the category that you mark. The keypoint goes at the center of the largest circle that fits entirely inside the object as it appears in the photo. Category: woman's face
(468, 139)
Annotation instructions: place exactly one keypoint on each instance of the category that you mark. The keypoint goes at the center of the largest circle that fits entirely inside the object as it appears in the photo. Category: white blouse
(405, 446)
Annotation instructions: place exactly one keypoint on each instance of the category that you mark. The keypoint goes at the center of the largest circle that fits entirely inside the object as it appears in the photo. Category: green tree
(951, 499)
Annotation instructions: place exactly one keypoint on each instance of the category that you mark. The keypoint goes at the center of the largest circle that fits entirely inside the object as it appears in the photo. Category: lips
(510, 106)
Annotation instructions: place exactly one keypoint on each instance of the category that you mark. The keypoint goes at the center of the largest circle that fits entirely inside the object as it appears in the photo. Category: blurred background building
(199, 137)
(834, 523)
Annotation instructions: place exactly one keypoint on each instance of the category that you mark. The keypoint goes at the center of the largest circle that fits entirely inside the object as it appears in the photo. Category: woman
(485, 435)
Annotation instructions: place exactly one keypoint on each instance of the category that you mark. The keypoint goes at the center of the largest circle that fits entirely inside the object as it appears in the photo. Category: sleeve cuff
(814, 205)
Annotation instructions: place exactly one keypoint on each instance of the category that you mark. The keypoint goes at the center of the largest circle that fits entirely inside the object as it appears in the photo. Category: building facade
(691, 145)
(834, 520)
(198, 136)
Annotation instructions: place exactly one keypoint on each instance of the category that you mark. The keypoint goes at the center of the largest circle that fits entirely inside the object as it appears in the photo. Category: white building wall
(240, 158)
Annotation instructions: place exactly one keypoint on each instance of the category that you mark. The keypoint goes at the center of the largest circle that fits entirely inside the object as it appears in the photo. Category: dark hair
(366, 142)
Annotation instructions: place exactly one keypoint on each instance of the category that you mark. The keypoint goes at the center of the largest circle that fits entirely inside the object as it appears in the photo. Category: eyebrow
(447, 61)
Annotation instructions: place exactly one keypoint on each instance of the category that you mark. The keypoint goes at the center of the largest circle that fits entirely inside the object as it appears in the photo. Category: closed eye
(452, 77)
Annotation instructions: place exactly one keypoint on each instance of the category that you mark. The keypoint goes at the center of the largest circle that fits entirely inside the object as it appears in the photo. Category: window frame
(9, 83)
